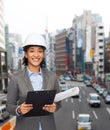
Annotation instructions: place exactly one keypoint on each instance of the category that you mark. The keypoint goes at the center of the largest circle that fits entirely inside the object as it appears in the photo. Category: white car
(63, 86)
(84, 122)
(94, 100)
(88, 83)
(67, 78)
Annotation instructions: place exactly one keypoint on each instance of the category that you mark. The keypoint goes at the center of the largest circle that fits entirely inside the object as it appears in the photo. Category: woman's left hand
(50, 107)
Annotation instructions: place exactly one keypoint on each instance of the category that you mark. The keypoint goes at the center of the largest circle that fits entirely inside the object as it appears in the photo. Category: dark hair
(25, 60)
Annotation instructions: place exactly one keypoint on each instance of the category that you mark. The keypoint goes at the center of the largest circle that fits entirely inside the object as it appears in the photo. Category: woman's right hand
(25, 108)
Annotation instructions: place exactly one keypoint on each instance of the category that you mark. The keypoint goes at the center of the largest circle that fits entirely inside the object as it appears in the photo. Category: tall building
(7, 46)
(89, 44)
(13, 43)
(52, 51)
(99, 52)
(82, 26)
(107, 61)
(3, 53)
(71, 49)
(2, 25)
(15, 51)
(61, 51)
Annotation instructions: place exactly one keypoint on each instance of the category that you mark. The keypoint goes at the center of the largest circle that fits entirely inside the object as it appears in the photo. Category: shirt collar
(31, 73)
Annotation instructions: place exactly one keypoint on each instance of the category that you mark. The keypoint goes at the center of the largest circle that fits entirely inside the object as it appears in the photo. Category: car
(84, 122)
(62, 82)
(63, 85)
(71, 77)
(3, 113)
(80, 79)
(105, 93)
(67, 78)
(98, 88)
(94, 100)
(64, 88)
(4, 101)
(101, 91)
(87, 77)
(107, 99)
(61, 77)
(94, 85)
(88, 83)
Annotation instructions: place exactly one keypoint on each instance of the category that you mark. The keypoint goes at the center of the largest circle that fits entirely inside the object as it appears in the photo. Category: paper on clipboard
(65, 94)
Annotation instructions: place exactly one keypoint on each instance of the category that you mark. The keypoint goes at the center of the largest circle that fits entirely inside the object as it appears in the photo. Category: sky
(28, 16)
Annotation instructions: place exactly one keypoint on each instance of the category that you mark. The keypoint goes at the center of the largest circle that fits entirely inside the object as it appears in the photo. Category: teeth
(35, 59)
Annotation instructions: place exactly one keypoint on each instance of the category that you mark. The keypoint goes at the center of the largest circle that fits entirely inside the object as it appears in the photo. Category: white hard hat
(35, 39)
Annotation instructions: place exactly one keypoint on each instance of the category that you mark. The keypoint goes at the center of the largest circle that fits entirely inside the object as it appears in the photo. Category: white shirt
(36, 81)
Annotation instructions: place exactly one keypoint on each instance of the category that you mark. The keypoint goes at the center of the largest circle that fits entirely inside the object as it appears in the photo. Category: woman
(32, 78)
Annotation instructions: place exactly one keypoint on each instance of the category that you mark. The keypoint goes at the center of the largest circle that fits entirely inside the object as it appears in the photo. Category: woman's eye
(41, 51)
(31, 51)
(38, 51)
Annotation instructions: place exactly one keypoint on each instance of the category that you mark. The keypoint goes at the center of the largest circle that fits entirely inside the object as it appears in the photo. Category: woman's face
(35, 55)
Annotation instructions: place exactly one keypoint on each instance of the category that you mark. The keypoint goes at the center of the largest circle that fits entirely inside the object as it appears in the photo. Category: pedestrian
(32, 77)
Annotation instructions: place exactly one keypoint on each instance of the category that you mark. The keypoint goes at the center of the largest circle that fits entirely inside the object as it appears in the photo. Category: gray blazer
(18, 87)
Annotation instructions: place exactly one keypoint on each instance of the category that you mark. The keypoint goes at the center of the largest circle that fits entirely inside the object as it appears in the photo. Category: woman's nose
(36, 53)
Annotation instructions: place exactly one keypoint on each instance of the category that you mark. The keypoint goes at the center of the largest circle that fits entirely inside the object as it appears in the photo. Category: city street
(66, 117)
(71, 107)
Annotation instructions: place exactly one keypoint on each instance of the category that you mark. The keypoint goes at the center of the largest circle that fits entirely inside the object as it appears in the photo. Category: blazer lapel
(45, 79)
(27, 80)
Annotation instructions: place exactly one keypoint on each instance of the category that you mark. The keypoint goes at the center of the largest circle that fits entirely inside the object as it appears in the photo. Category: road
(66, 117)
(71, 107)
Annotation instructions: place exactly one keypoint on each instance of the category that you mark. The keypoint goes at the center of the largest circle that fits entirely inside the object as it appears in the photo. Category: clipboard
(39, 99)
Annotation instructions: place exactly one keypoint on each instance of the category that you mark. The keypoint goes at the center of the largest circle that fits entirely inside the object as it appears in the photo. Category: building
(3, 53)
(89, 44)
(107, 56)
(7, 45)
(71, 50)
(13, 43)
(15, 51)
(2, 25)
(99, 52)
(61, 51)
(52, 55)
(50, 51)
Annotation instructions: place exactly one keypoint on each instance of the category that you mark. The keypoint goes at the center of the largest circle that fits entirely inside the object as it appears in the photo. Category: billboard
(89, 51)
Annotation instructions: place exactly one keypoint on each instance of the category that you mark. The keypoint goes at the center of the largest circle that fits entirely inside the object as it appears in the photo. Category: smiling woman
(32, 78)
